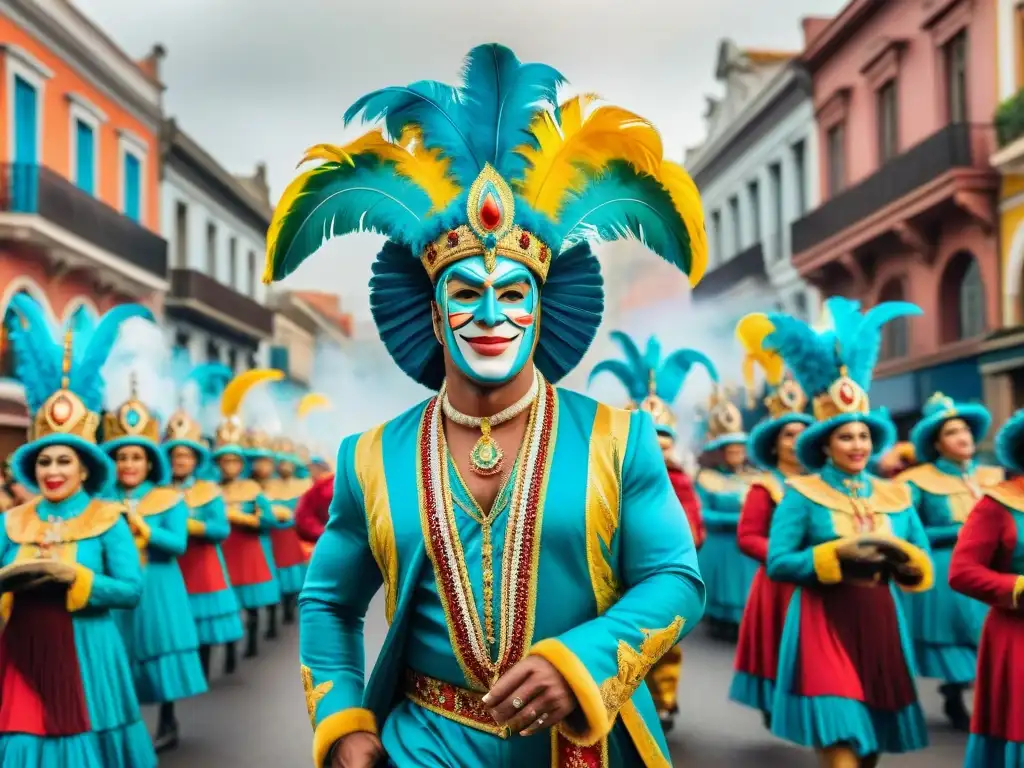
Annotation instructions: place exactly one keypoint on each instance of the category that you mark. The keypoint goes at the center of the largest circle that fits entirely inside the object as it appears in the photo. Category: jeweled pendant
(486, 457)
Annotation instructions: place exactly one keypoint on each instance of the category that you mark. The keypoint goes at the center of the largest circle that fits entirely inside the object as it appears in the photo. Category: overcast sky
(263, 79)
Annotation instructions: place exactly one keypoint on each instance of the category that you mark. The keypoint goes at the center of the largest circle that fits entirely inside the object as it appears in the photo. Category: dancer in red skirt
(988, 565)
(772, 447)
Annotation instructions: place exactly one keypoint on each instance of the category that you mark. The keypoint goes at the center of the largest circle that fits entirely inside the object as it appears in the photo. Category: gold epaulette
(158, 501)
(886, 496)
(241, 491)
(201, 494)
(24, 526)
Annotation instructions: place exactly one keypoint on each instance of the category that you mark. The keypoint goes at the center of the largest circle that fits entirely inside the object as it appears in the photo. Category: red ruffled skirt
(245, 558)
(999, 687)
(764, 618)
(200, 566)
(287, 546)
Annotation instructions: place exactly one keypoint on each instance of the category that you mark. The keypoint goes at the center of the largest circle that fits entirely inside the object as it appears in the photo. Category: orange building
(79, 182)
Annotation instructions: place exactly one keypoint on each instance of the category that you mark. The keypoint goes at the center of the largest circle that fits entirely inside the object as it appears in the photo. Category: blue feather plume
(623, 204)
(675, 369)
(635, 385)
(860, 342)
(632, 353)
(38, 355)
(500, 97)
(809, 355)
(210, 379)
(636, 371)
(85, 379)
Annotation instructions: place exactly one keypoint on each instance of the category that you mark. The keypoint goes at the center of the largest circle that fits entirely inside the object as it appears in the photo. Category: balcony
(210, 304)
(40, 206)
(952, 163)
(746, 265)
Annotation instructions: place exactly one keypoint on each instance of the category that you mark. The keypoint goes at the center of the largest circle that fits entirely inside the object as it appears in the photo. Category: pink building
(904, 95)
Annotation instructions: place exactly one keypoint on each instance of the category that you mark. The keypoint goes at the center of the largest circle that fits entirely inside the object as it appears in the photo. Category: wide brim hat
(763, 437)
(732, 438)
(252, 454)
(160, 469)
(231, 449)
(203, 455)
(810, 446)
(1008, 444)
(923, 434)
(99, 466)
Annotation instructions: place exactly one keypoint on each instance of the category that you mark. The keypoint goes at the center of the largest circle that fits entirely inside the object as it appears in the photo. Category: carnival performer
(772, 446)
(212, 599)
(160, 634)
(313, 510)
(284, 492)
(944, 624)
(262, 467)
(69, 559)
(487, 291)
(988, 565)
(845, 680)
(247, 554)
(722, 484)
(653, 384)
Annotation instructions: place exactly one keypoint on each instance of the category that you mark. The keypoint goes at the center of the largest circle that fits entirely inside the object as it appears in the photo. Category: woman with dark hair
(845, 680)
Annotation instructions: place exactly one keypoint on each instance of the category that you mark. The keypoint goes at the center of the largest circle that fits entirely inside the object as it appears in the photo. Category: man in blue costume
(534, 558)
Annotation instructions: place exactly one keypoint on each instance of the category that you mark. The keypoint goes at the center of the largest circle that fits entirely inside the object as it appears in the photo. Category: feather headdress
(230, 433)
(652, 382)
(493, 167)
(784, 395)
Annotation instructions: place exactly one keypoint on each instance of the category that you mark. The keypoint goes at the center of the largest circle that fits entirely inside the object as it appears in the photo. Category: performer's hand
(543, 697)
(860, 552)
(907, 574)
(358, 750)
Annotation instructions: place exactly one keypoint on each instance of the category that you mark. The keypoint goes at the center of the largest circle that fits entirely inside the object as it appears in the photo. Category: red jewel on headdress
(524, 241)
(60, 411)
(490, 213)
(543, 253)
(846, 393)
(453, 239)
(431, 254)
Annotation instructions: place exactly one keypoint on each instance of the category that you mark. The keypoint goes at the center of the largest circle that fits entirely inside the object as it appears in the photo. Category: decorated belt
(467, 707)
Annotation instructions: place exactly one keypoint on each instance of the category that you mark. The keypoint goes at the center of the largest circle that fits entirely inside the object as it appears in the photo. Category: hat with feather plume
(184, 430)
(493, 167)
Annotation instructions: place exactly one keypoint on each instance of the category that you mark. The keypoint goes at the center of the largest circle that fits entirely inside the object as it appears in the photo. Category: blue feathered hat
(494, 167)
(937, 411)
(785, 400)
(184, 431)
(63, 386)
(834, 367)
(653, 383)
(1009, 447)
(133, 424)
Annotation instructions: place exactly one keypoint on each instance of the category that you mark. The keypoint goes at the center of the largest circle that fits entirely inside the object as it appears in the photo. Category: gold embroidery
(241, 491)
(313, 693)
(157, 501)
(24, 525)
(643, 739)
(635, 664)
(201, 494)
(608, 439)
(369, 462)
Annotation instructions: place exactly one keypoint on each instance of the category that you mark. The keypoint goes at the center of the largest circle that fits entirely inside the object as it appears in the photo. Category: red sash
(200, 566)
(245, 558)
(41, 691)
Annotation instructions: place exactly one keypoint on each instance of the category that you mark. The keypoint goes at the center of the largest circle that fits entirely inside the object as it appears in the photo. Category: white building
(215, 224)
(755, 171)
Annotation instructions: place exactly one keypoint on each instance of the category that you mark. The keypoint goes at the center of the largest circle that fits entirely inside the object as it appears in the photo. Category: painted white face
(491, 317)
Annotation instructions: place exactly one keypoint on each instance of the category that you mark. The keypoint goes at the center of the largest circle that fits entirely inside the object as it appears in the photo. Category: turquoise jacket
(614, 557)
(943, 498)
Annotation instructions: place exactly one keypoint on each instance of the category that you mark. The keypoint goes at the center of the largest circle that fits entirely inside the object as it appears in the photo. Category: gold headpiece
(132, 419)
(303, 453)
(181, 426)
(256, 440)
(844, 396)
(723, 417)
(491, 232)
(939, 402)
(64, 412)
(230, 430)
(283, 445)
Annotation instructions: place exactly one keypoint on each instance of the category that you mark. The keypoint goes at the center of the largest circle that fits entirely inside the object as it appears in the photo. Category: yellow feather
(686, 200)
(751, 332)
(566, 154)
(284, 205)
(234, 392)
(312, 402)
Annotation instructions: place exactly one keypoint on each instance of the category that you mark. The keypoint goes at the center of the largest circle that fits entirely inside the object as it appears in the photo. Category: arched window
(962, 297)
(7, 362)
(896, 333)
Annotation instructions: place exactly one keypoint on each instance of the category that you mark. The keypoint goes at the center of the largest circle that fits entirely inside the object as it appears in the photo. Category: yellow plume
(751, 331)
(312, 402)
(565, 153)
(234, 392)
(686, 200)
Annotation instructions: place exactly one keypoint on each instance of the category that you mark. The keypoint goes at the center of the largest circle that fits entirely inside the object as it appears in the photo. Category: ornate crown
(940, 403)
(491, 232)
(723, 417)
(181, 426)
(786, 399)
(256, 440)
(844, 396)
(229, 432)
(283, 445)
(132, 419)
(63, 412)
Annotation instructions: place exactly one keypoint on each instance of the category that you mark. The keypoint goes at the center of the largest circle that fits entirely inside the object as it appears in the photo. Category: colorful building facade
(79, 195)
(904, 97)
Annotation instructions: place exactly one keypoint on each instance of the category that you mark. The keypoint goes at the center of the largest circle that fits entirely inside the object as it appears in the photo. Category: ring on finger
(517, 703)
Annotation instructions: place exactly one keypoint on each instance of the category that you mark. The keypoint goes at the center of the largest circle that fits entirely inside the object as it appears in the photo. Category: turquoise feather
(632, 353)
(675, 369)
(85, 379)
(634, 373)
(624, 204)
(339, 199)
(210, 379)
(38, 355)
(809, 355)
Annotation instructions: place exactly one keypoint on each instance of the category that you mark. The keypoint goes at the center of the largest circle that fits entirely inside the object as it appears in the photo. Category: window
(888, 127)
(955, 55)
(800, 306)
(211, 249)
(251, 282)
(754, 193)
(180, 234)
(835, 143)
(734, 220)
(85, 156)
(716, 234)
(132, 186)
(233, 359)
(212, 352)
(962, 298)
(972, 302)
(233, 263)
(26, 121)
(775, 188)
(895, 334)
(800, 177)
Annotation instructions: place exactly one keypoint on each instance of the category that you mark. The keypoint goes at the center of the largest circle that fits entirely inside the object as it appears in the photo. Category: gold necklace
(486, 457)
